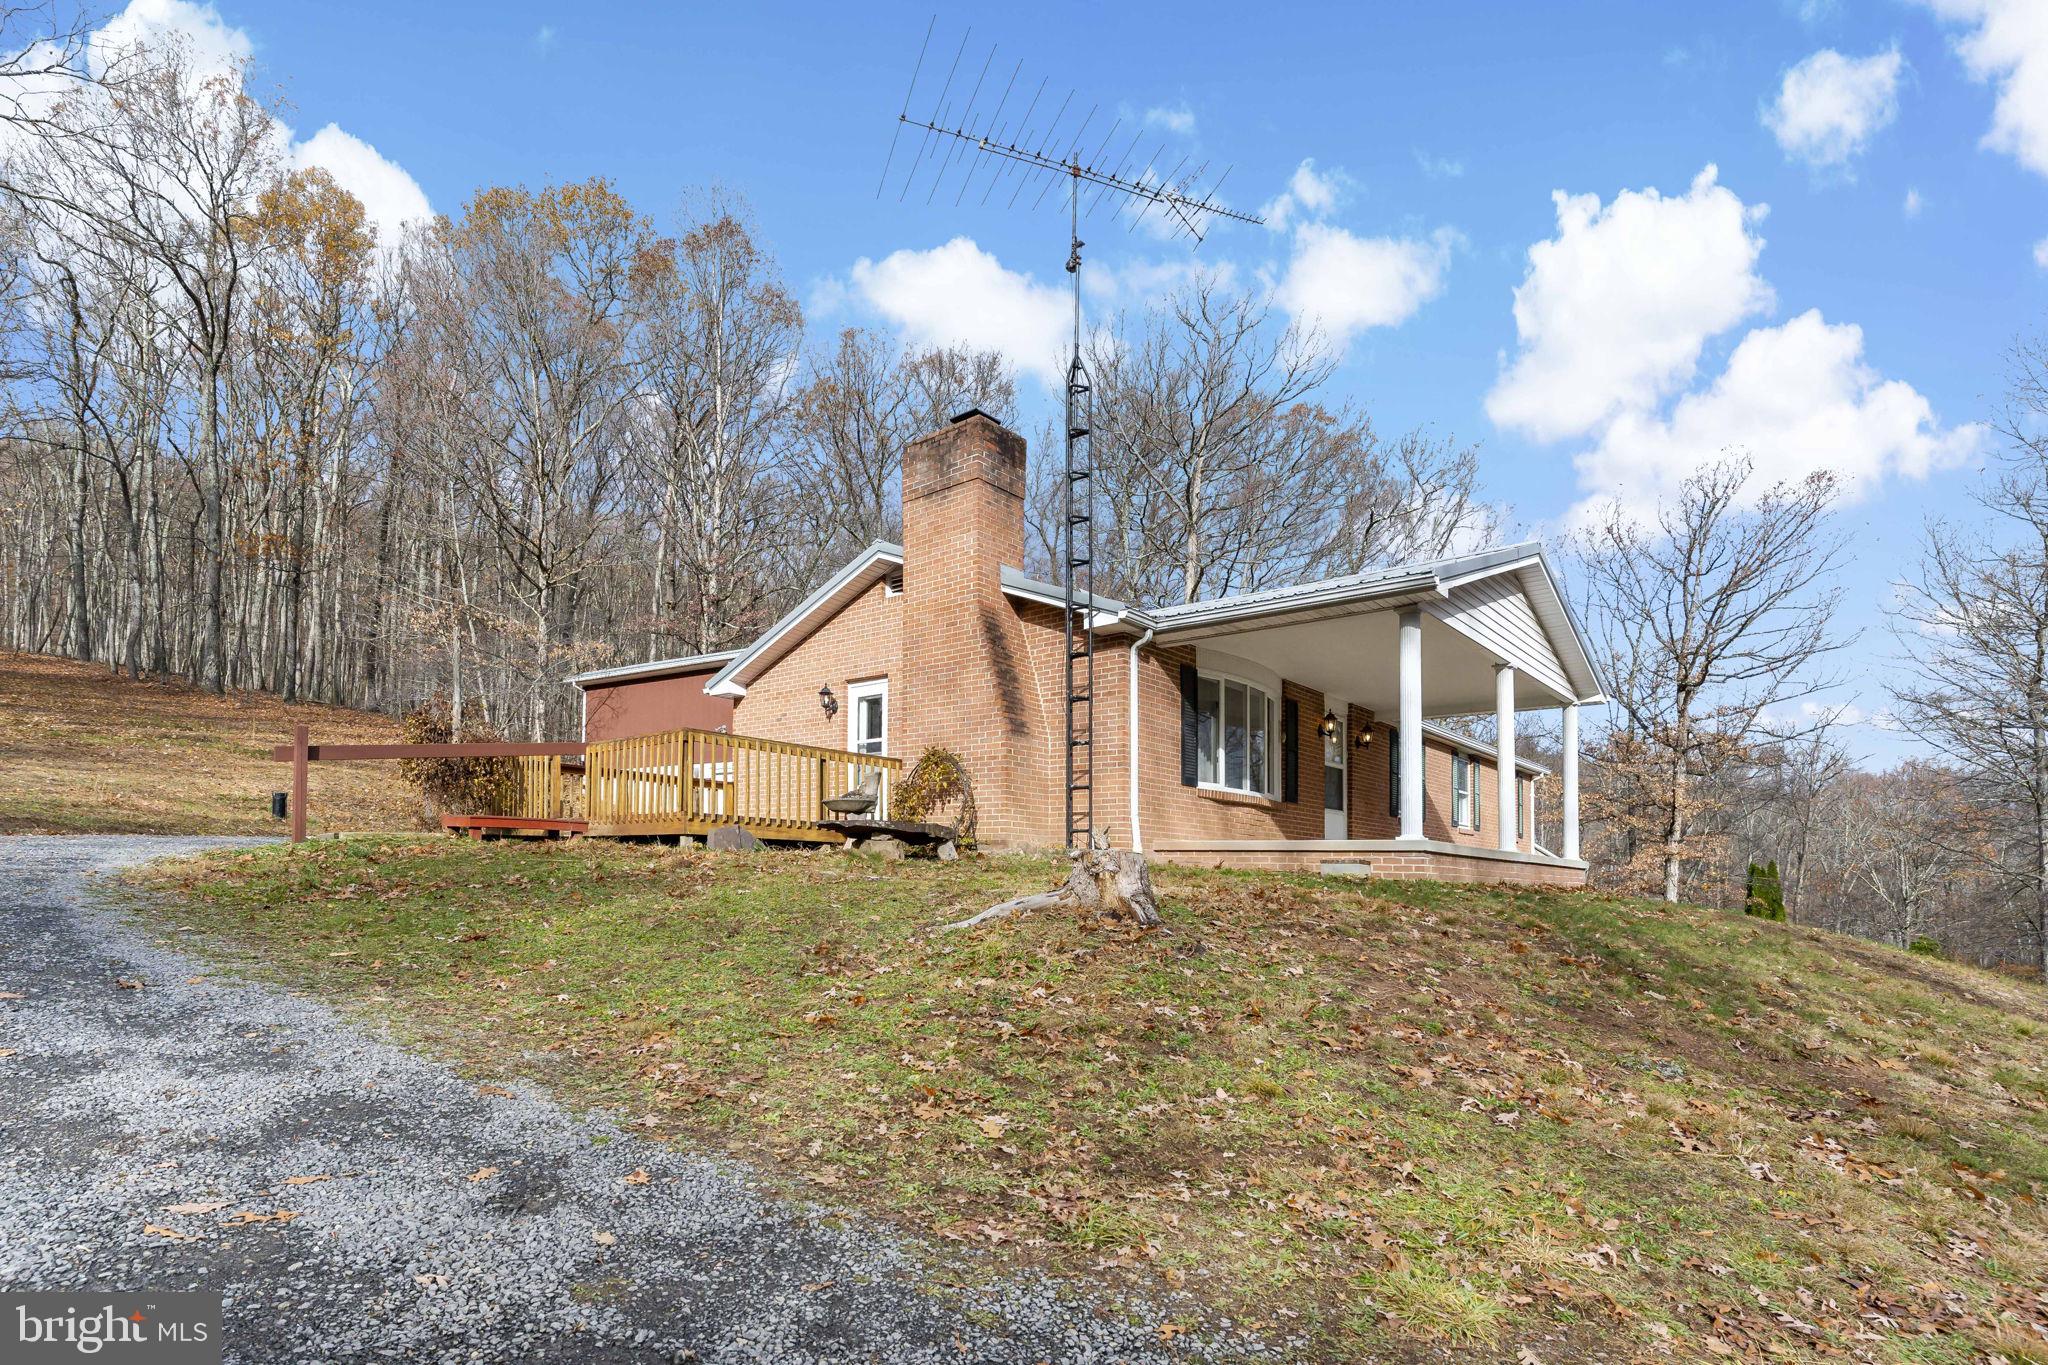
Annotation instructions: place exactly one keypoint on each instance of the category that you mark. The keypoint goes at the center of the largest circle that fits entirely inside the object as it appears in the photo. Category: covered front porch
(1364, 681)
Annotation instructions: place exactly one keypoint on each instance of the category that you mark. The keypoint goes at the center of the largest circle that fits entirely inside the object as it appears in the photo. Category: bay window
(1236, 728)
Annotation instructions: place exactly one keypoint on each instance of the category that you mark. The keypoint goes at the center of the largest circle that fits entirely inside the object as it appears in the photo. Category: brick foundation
(1416, 864)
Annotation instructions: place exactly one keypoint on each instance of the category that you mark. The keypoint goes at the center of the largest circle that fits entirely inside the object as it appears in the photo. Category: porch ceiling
(1357, 658)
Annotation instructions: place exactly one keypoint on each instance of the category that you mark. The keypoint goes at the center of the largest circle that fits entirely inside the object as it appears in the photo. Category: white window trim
(855, 694)
(1462, 758)
(1274, 740)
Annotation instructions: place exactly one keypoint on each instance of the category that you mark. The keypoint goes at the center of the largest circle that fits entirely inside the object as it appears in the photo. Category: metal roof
(657, 668)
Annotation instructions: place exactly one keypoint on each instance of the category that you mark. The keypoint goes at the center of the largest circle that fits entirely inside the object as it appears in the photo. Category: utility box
(280, 805)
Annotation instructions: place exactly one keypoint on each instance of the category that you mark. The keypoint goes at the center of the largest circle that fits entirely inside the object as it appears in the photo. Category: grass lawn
(1414, 1120)
(83, 751)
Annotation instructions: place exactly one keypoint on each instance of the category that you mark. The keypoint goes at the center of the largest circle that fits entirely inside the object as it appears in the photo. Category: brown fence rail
(692, 781)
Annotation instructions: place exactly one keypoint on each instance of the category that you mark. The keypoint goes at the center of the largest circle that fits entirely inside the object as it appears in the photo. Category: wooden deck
(513, 826)
(694, 781)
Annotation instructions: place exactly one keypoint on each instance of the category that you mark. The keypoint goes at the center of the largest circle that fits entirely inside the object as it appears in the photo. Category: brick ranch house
(1292, 728)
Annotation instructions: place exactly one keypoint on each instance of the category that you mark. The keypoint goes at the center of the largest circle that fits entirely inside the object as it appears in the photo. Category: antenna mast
(1045, 157)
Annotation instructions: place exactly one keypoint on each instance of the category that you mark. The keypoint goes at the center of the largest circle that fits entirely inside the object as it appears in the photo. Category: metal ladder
(1078, 583)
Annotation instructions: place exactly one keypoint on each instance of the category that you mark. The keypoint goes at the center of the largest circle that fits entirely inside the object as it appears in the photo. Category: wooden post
(299, 747)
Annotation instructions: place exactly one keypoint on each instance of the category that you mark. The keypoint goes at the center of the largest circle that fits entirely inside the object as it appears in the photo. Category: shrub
(1766, 896)
(935, 784)
(458, 786)
(1924, 945)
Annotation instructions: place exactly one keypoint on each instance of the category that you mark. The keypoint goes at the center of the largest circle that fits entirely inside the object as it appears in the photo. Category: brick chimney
(968, 681)
(963, 497)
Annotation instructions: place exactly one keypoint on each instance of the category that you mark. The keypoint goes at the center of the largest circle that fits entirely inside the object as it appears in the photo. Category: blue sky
(1898, 186)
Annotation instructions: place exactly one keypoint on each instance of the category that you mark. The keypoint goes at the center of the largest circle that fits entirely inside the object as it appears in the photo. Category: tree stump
(1113, 882)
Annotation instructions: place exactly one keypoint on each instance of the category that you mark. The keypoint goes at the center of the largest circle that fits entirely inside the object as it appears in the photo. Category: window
(1235, 728)
(1464, 792)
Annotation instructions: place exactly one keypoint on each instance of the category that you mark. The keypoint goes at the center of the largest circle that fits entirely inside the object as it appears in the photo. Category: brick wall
(863, 641)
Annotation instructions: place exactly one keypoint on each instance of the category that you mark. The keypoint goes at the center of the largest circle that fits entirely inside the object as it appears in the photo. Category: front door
(867, 728)
(1336, 821)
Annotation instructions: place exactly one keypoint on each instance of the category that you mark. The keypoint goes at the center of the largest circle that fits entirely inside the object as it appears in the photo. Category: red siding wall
(647, 706)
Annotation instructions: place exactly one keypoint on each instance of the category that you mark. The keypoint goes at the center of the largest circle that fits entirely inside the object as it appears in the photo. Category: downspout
(1131, 741)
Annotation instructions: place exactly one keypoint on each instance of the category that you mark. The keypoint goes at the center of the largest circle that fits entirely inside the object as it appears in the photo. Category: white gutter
(1131, 741)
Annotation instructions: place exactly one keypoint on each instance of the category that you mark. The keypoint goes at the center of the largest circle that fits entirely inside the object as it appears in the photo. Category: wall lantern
(828, 701)
(1329, 725)
(1364, 739)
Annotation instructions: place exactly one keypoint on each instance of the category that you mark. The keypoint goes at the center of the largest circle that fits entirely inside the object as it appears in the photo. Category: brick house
(1291, 728)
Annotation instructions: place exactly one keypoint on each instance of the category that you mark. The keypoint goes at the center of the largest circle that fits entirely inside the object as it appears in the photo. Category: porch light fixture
(1329, 725)
(1364, 739)
(828, 701)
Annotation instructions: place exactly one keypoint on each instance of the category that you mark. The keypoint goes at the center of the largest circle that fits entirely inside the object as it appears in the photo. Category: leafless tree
(1709, 619)
(522, 342)
(722, 339)
(158, 183)
(1218, 470)
(862, 402)
(1974, 622)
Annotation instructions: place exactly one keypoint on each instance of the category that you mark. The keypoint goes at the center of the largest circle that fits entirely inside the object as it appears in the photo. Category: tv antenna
(1041, 156)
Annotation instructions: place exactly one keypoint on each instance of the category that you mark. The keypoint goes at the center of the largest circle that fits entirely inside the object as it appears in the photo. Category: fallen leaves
(247, 1217)
(157, 1230)
(992, 1125)
(197, 1206)
(639, 1177)
(605, 1239)
(482, 1173)
(306, 1179)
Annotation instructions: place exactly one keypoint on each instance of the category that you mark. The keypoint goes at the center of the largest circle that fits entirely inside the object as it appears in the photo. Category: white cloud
(1613, 318)
(1308, 191)
(958, 293)
(214, 46)
(1912, 204)
(2041, 253)
(1829, 106)
(1174, 118)
(544, 39)
(1439, 167)
(2005, 42)
(1342, 284)
(1616, 307)
(390, 197)
(1796, 398)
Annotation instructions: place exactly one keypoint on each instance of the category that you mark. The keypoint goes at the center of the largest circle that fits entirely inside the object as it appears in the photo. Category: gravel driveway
(430, 1220)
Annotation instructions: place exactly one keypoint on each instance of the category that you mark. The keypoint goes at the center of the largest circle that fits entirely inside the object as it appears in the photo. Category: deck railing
(691, 781)
(543, 793)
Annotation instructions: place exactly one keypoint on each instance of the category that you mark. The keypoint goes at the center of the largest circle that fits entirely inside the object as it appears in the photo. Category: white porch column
(1506, 777)
(1571, 781)
(1411, 725)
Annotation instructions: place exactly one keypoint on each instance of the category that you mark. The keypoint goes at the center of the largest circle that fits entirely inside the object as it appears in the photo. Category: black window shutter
(1190, 726)
(1393, 771)
(1290, 750)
